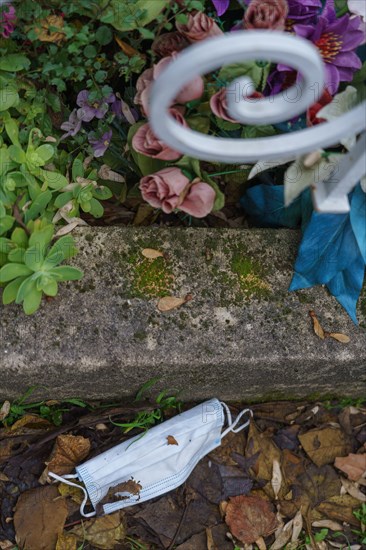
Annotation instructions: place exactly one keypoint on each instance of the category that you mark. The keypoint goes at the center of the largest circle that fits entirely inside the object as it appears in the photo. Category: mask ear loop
(232, 427)
(65, 480)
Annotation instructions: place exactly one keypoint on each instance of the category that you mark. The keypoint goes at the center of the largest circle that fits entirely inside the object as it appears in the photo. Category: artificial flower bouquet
(76, 143)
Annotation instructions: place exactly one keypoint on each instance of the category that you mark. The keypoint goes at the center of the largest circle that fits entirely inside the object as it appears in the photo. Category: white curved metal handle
(241, 46)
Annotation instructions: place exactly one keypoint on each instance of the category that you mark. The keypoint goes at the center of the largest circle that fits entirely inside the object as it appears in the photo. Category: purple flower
(100, 145)
(303, 11)
(7, 19)
(221, 6)
(336, 40)
(123, 111)
(72, 126)
(96, 109)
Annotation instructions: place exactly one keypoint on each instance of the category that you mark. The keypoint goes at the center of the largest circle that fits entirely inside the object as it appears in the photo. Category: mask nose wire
(233, 425)
(67, 482)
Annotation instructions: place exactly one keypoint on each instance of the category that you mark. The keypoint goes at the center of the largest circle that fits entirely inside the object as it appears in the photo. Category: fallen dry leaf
(68, 451)
(126, 48)
(131, 487)
(171, 302)
(353, 490)
(151, 253)
(296, 526)
(324, 444)
(46, 32)
(6, 545)
(210, 540)
(339, 337)
(74, 493)
(103, 532)
(5, 410)
(39, 518)
(106, 173)
(261, 446)
(172, 440)
(353, 465)
(276, 480)
(316, 325)
(261, 545)
(340, 508)
(283, 536)
(66, 542)
(31, 421)
(250, 517)
(328, 524)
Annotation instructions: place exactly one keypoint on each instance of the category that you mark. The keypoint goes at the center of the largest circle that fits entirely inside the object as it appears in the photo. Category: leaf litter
(295, 480)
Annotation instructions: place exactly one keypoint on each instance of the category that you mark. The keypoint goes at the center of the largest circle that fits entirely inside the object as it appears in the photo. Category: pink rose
(146, 142)
(266, 14)
(199, 27)
(191, 91)
(218, 104)
(168, 43)
(169, 189)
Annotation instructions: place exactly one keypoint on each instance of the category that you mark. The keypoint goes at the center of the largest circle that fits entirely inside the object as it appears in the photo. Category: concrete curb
(242, 336)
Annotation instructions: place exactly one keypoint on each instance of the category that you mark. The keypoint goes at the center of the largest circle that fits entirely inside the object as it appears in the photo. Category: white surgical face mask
(151, 461)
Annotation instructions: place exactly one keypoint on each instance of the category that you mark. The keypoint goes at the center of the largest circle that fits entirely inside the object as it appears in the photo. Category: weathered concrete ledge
(242, 336)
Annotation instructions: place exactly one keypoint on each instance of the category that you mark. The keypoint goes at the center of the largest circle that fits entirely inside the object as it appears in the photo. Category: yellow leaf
(340, 337)
(316, 325)
(171, 302)
(151, 253)
(126, 48)
(66, 542)
(43, 32)
(103, 532)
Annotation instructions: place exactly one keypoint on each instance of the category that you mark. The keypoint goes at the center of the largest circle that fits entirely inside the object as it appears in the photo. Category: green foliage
(360, 514)
(50, 410)
(126, 15)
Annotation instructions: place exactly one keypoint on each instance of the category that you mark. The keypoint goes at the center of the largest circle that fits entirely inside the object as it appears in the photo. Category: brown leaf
(151, 253)
(39, 518)
(66, 542)
(352, 490)
(276, 480)
(249, 518)
(296, 526)
(328, 524)
(210, 540)
(131, 486)
(126, 48)
(352, 465)
(171, 440)
(283, 537)
(104, 532)
(31, 421)
(6, 545)
(68, 451)
(316, 325)
(323, 445)
(340, 337)
(314, 486)
(340, 508)
(5, 410)
(44, 32)
(261, 444)
(170, 302)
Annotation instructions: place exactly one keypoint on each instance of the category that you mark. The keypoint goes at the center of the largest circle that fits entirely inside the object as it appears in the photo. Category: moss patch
(250, 276)
(150, 278)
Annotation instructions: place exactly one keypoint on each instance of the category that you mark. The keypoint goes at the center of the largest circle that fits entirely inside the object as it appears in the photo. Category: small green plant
(360, 514)
(147, 419)
(32, 267)
(50, 410)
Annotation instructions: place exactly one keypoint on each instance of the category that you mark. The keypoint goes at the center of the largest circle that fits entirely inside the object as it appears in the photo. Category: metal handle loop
(236, 47)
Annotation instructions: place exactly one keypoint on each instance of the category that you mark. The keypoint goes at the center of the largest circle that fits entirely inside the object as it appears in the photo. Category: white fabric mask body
(149, 460)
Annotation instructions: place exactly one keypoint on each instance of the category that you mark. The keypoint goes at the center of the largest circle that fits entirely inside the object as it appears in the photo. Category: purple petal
(82, 98)
(332, 78)
(221, 6)
(348, 59)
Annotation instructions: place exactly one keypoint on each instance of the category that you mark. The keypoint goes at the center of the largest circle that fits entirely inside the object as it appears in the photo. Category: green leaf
(17, 255)
(220, 197)
(66, 273)
(102, 193)
(14, 62)
(51, 288)
(42, 237)
(63, 199)
(4, 160)
(17, 154)
(32, 301)
(11, 271)
(45, 152)
(64, 248)
(34, 257)
(126, 15)
(27, 285)
(258, 131)
(19, 237)
(11, 290)
(53, 179)
(8, 97)
(6, 223)
(5, 245)
(11, 128)
(96, 209)
(90, 51)
(104, 35)
(77, 169)
(38, 206)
